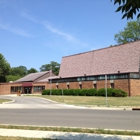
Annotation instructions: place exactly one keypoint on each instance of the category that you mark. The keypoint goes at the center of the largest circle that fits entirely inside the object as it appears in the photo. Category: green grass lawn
(94, 100)
(77, 130)
(4, 100)
(21, 138)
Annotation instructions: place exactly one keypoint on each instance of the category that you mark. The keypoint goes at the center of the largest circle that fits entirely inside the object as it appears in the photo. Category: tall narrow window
(57, 87)
(111, 85)
(95, 86)
(68, 86)
(80, 86)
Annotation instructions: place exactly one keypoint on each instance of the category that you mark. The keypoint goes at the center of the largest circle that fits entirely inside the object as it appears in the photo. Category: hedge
(86, 92)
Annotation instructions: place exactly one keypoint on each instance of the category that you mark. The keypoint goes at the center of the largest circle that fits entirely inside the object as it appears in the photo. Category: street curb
(88, 107)
(8, 102)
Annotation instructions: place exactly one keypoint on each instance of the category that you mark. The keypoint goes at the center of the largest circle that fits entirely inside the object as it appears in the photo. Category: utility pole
(106, 88)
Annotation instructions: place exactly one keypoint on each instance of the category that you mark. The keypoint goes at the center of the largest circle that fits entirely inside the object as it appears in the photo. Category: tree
(12, 78)
(32, 70)
(4, 68)
(130, 33)
(54, 66)
(21, 71)
(128, 7)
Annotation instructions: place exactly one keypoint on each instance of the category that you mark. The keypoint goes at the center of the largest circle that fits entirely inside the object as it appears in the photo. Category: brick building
(120, 64)
(32, 83)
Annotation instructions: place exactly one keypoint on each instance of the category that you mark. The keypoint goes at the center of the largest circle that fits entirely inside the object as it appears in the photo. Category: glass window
(101, 77)
(38, 88)
(134, 75)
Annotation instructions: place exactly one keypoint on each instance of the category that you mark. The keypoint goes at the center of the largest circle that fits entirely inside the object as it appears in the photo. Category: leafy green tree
(54, 66)
(32, 70)
(12, 78)
(128, 7)
(21, 71)
(4, 68)
(130, 33)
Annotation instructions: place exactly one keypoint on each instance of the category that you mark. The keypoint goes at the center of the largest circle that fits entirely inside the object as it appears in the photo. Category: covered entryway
(27, 88)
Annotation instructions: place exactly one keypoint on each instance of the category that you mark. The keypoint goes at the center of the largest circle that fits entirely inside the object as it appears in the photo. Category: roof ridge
(117, 45)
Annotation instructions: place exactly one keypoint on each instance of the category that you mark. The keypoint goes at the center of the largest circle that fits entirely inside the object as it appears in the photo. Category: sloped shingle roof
(123, 58)
(32, 77)
(47, 79)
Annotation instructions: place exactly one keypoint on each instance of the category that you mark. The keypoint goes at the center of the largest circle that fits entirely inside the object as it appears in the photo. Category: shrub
(86, 92)
(83, 92)
(70, 91)
(119, 93)
(56, 92)
(46, 92)
(101, 92)
(76, 92)
(110, 92)
(91, 92)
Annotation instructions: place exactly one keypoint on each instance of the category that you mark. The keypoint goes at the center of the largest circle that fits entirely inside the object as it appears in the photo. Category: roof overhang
(27, 84)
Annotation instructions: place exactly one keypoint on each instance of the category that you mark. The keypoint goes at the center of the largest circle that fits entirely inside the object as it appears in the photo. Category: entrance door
(27, 90)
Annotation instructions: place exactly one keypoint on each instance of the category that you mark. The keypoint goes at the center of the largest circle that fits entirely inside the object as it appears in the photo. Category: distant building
(120, 63)
(32, 83)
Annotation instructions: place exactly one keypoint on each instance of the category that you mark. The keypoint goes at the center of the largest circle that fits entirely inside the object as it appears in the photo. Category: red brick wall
(118, 84)
(135, 87)
(4, 88)
(122, 84)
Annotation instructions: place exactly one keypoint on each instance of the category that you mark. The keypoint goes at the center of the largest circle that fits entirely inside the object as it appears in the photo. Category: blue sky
(35, 32)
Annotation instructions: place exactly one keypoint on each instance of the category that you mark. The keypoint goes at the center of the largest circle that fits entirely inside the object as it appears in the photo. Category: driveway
(32, 103)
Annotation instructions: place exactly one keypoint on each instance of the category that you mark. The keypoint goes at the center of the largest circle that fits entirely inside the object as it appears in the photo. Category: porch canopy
(27, 84)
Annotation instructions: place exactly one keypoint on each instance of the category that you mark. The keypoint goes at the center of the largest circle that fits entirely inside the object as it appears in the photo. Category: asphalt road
(67, 116)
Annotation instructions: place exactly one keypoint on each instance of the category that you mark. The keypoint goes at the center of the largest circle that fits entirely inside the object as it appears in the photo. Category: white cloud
(61, 33)
(54, 30)
(15, 30)
(29, 17)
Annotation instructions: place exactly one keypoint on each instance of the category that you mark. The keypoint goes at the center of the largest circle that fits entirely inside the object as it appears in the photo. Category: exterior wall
(135, 87)
(122, 84)
(118, 84)
(14, 85)
(39, 84)
(4, 88)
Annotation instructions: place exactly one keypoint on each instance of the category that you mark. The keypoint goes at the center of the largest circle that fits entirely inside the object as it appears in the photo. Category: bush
(76, 92)
(119, 93)
(56, 92)
(83, 92)
(91, 92)
(86, 92)
(101, 92)
(70, 92)
(46, 92)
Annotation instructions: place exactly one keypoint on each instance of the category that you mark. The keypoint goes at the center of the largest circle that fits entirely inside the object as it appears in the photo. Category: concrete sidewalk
(63, 135)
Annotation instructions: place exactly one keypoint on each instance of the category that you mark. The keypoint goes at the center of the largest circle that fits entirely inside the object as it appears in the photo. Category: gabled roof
(47, 79)
(32, 77)
(123, 58)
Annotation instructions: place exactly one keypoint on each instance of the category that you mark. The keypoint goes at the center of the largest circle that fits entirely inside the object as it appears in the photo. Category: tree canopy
(4, 68)
(12, 74)
(31, 70)
(130, 33)
(20, 70)
(129, 8)
(54, 66)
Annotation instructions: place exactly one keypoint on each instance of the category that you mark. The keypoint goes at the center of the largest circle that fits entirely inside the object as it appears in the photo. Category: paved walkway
(63, 135)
